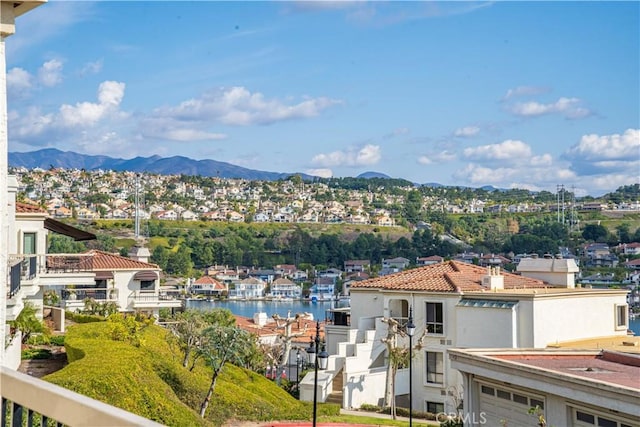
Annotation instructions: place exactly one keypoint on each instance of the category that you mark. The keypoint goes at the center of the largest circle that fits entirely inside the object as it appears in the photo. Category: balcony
(52, 269)
(74, 299)
(152, 299)
(31, 401)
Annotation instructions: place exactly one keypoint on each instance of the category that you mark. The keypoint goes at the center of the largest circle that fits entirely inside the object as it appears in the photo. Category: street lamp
(298, 368)
(410, 328)
(318, 360)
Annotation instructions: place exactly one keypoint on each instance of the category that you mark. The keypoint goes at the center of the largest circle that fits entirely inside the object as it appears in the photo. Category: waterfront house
(208, 286)
(248, 289)
(284, 288)
(456, 304)
(322, 290)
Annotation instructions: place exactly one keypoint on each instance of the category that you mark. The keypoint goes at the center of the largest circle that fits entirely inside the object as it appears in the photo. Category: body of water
(249, 308)
(634, 325)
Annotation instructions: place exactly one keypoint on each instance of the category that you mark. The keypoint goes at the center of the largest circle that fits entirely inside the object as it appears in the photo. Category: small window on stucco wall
(622, 316)
(147, 285)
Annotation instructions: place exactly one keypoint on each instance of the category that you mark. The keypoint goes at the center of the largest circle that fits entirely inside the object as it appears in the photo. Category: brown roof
(106, 261)
(610, 367)
(28, 208)
(304, 329)
(208, 280)
(450, 276)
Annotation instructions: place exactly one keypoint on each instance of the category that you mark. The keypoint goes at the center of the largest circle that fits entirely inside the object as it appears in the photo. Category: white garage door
(509, 407)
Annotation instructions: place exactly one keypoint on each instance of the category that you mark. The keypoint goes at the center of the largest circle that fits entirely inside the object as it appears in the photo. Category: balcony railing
(52, 263)
(31, 401)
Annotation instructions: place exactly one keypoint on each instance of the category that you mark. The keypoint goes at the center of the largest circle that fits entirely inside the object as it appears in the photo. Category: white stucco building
(570, 387)
(457, 305)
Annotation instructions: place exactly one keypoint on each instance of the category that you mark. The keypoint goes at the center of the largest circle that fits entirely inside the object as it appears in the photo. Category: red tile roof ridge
(23, 207)
(109, 261)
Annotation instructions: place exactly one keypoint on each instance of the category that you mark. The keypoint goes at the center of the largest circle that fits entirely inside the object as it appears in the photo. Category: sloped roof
(107, 261)
(29, 208)
(450, 276)
(208, 280)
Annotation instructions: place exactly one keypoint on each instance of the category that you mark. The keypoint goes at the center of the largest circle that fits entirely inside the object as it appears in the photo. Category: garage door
(509, 407)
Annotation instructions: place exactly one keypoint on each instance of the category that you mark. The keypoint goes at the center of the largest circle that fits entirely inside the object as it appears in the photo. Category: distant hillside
(371, 174)
(51, 157)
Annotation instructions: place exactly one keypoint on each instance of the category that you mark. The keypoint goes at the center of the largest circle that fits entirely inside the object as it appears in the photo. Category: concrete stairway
(337, 386)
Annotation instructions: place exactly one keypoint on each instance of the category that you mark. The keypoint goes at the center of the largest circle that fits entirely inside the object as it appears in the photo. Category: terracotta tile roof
(28, 208)
(305, 329)
(107, 261)
(450, 276)
(208, 280)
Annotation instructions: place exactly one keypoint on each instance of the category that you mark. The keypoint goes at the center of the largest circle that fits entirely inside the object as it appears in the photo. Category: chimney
(493, 280)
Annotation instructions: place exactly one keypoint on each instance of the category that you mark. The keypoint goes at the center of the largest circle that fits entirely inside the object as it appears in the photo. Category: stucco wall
(365, 304)
(485, 327)
(589, 316)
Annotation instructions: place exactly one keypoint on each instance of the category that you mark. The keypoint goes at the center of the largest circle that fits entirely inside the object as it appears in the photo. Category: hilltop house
(456, 304)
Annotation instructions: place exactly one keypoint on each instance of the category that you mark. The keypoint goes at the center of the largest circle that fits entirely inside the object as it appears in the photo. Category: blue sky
(510, 94)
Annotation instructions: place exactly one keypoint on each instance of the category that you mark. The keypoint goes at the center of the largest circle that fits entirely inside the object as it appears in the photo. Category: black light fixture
(410, 329)
(298, 369)
(320, 361)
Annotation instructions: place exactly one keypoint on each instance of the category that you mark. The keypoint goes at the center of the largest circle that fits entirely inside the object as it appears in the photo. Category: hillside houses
(110, 195)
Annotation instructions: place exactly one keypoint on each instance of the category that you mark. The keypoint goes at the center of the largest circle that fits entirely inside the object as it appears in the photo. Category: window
(29, 243)
(147, 285)
(435, 368)
(488, 390)
(518, 398)
(435, 407)
(585, 418)
(502, 394)
(622, 312)
(538, 403)
(435, 322)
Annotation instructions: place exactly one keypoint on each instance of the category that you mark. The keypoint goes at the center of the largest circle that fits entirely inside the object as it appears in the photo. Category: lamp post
(298, 367)
(410, 329)
(320, 361)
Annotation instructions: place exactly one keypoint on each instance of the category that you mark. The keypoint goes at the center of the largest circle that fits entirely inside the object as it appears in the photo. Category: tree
(28, 323)
(595, 232)
(187, 329)
(398, 357)
(218, 346)
(287, 335)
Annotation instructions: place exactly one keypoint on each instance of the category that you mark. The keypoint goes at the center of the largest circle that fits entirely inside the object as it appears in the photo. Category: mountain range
(53, 158)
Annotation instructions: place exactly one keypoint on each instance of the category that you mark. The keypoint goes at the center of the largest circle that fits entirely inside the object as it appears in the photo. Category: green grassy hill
(150, 381)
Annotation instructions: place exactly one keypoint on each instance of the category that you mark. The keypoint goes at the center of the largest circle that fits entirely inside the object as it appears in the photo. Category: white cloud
(509, 150)
(19, 80)
(365, 156)
(524, 91)
(50, 73)
(467, 131)
(570, 108)
(110, 94)
(544, 177)
(616, 146)
(425, 160)
(322, 173)
(238, 106)
(92, 67)
(192, 135)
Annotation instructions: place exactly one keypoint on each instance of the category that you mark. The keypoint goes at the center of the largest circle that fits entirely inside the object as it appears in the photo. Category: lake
(634, 325)
(249, 308)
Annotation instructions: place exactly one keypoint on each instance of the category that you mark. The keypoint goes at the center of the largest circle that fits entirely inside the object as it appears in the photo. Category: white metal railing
(27, 400)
